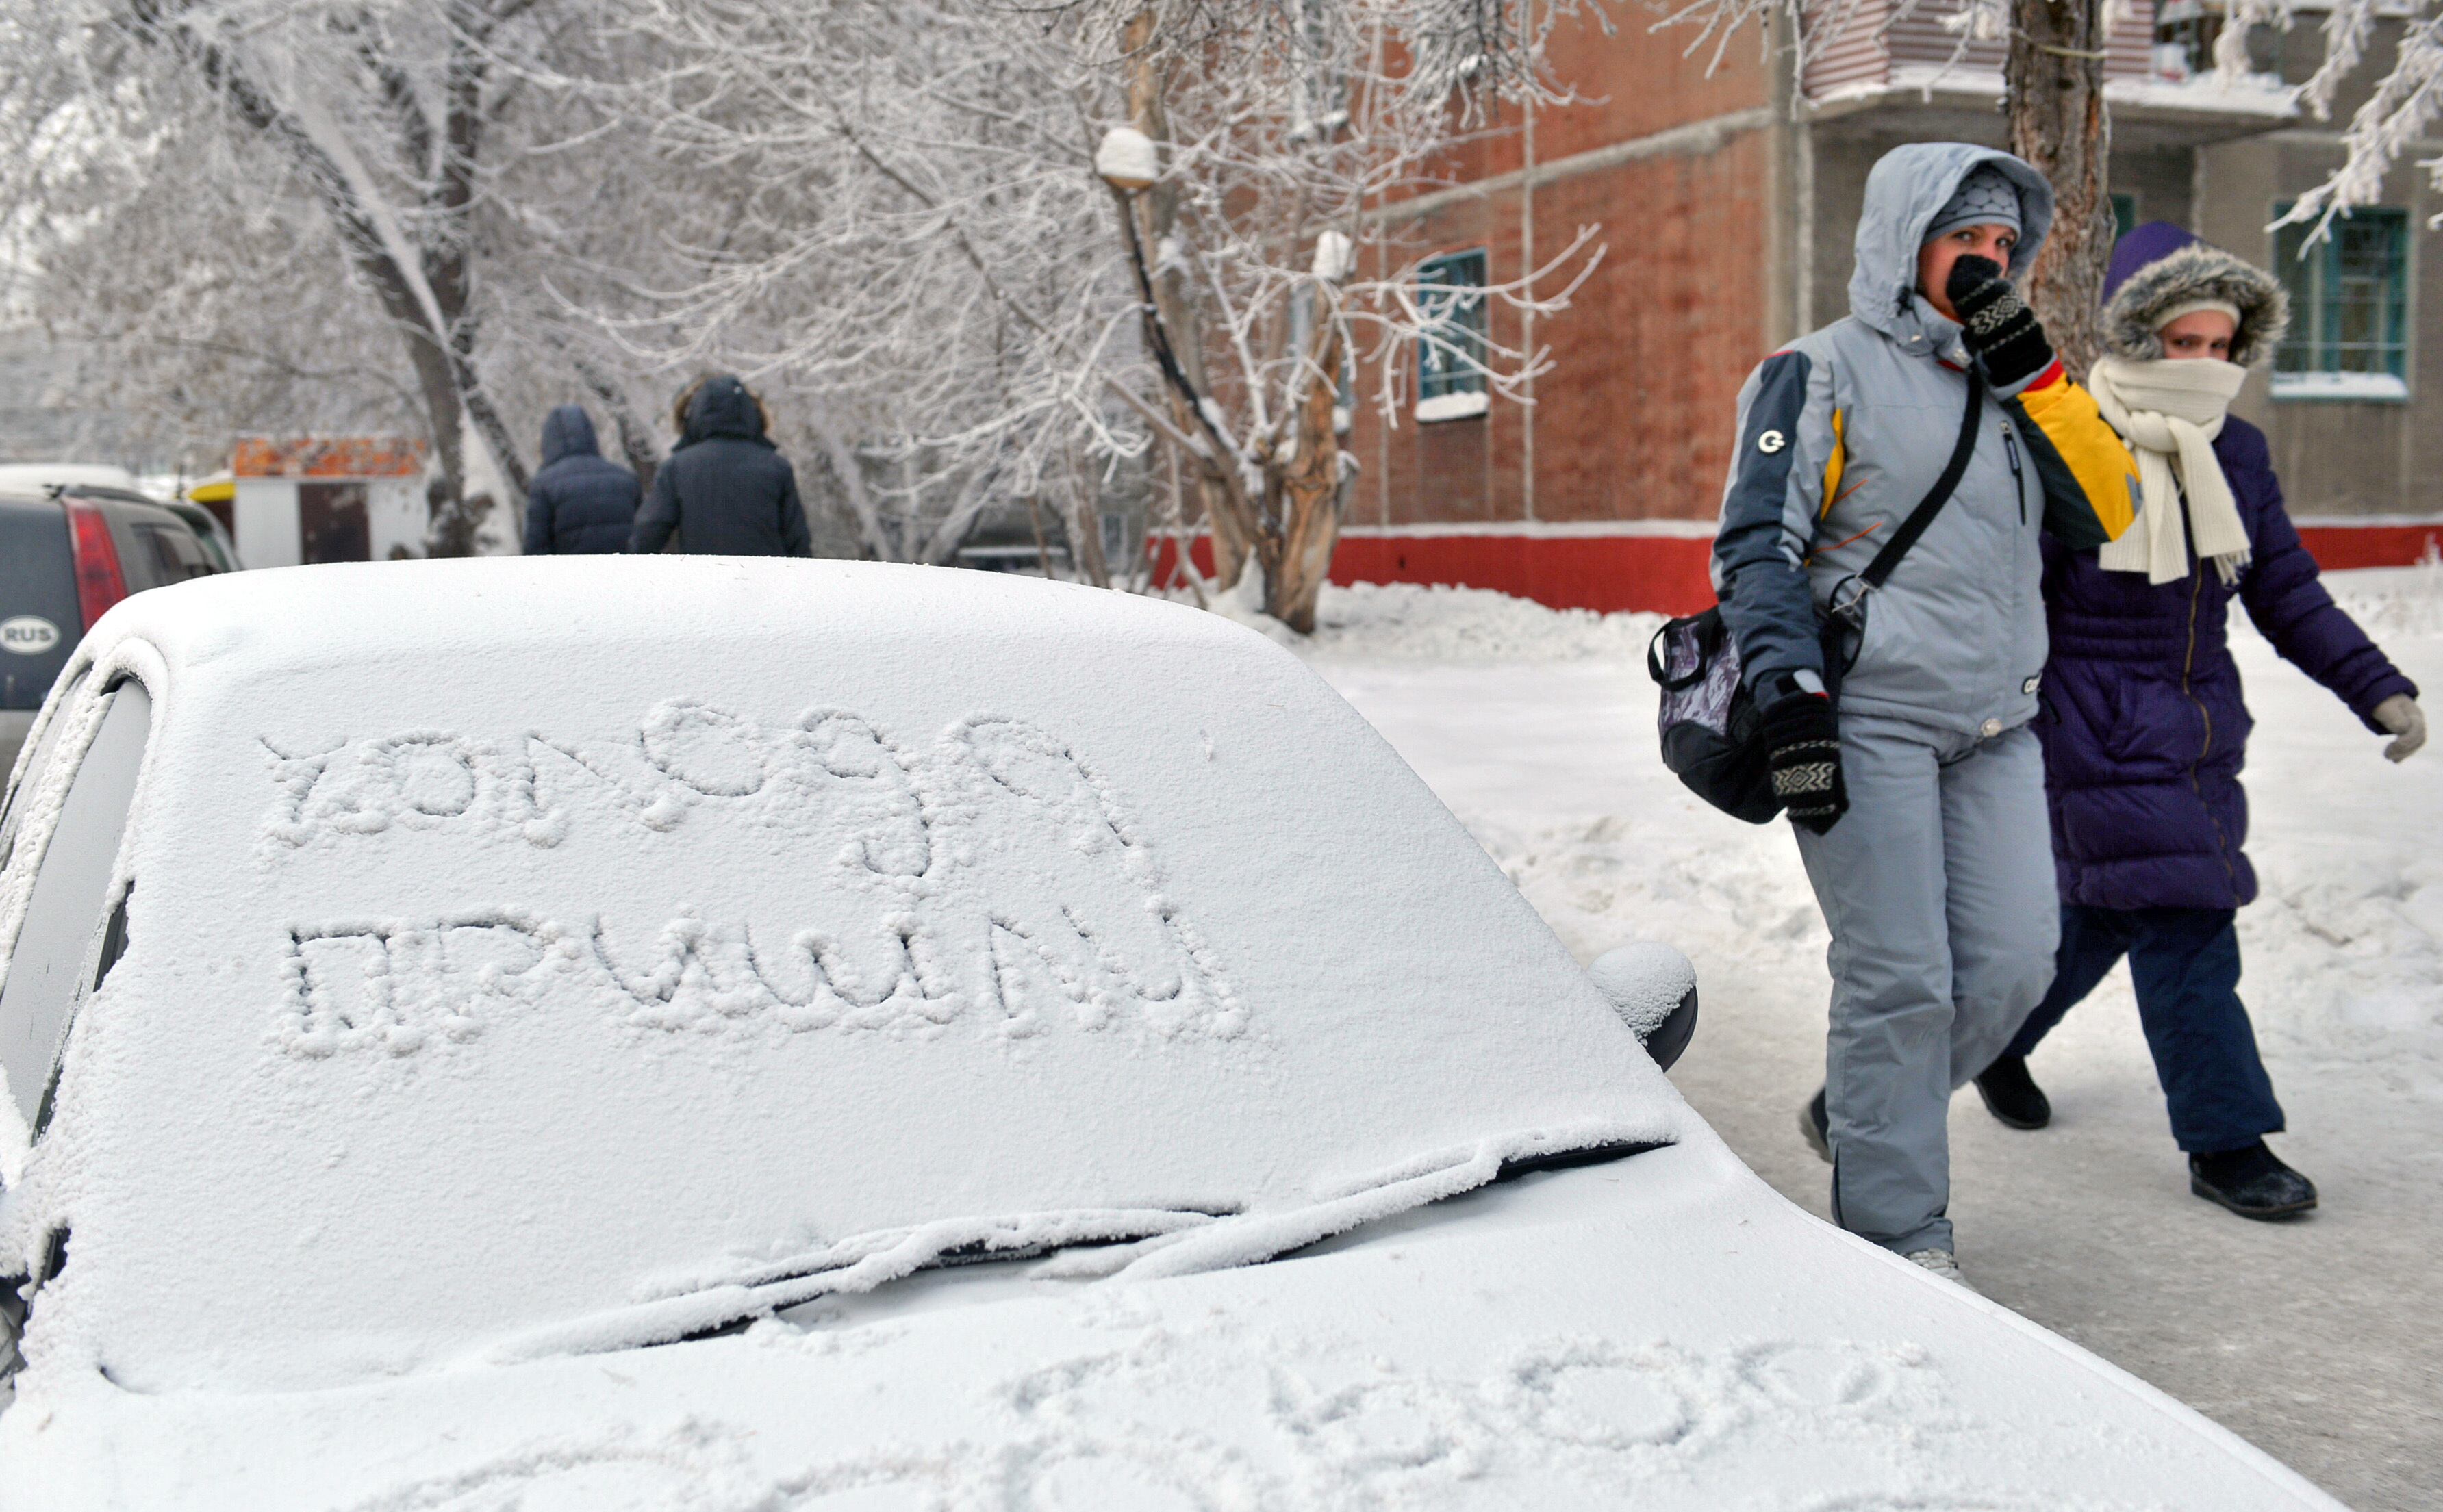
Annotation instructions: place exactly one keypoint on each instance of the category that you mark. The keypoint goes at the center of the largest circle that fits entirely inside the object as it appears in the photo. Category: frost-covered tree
(248, 201)
(923, 240)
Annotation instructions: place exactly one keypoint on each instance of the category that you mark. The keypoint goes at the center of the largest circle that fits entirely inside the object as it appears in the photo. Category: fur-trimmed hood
(2158, 267)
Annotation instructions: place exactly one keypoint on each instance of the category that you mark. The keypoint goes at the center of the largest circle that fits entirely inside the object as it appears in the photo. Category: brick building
(1726, 215)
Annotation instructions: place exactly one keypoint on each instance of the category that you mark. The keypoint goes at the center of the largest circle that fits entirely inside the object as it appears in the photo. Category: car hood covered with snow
(1660, 1331)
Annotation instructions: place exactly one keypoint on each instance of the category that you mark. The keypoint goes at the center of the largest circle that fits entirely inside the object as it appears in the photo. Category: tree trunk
(1307, 484)
(635, 437)
(1174, 304)
(2054, 78)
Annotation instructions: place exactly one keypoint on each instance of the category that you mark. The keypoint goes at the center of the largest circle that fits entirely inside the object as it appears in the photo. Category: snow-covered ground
(2317, 1339)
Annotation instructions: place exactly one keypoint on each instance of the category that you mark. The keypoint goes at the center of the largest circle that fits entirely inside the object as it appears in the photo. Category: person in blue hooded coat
(578, 501)
(2143, 727)
(727, 490)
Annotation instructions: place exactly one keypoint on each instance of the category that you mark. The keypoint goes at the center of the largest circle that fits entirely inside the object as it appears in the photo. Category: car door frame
(83, 700)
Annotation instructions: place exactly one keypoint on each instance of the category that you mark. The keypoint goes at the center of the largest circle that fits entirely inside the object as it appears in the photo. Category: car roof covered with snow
(533, 956)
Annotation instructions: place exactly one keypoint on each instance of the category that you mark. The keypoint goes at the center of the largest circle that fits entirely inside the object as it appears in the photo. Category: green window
(1451, 353)
(2349, 305)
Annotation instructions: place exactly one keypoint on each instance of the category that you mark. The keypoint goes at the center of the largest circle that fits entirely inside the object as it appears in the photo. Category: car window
(64, 916)
(176, 555)
(39, 618)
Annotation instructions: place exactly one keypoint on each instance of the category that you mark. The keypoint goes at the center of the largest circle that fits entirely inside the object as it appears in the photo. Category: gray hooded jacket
(1841, 433)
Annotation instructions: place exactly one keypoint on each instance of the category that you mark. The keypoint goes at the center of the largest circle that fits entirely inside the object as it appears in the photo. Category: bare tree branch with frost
(275, 189)
(923, 245)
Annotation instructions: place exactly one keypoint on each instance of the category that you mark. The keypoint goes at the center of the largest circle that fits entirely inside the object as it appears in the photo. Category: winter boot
(1816, 1126)
(2011, 1094)
(1942, 1262)
(2251, 1183)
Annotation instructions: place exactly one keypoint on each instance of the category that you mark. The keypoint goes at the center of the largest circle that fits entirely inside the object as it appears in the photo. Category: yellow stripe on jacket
(2065, 415)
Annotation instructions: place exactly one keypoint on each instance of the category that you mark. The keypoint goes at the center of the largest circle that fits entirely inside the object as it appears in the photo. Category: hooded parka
(578, 501)
(2144, 729)
(725, 490)
(1843, 432)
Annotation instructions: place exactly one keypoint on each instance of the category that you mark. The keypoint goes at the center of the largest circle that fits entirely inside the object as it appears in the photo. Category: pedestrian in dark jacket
(2144, 729)
(578, 501)
(725, 491)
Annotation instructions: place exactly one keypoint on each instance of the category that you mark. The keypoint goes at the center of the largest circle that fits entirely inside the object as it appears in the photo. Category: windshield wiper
(1252, 1238)
(1137, 1243)
(692, 1306)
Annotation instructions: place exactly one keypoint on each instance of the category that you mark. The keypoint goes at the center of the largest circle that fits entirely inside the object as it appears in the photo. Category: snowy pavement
(2318, 1339)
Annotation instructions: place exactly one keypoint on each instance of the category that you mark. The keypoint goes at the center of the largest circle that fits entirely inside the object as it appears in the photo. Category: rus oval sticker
(28, 635)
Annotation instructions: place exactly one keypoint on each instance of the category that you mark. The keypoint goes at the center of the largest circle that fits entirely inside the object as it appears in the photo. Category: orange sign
(327, 457)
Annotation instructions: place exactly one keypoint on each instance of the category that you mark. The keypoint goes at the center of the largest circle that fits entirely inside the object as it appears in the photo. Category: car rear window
(39, 622)
(176, 554)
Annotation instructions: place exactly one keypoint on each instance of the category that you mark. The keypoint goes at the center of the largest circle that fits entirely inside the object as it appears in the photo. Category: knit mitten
(1803, 735)
(1996, 323)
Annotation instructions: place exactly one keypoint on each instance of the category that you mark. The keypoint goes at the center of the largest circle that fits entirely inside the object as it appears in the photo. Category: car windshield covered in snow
(532, 957)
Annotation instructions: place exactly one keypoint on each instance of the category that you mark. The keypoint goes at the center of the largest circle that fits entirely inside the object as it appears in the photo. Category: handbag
(1708, 714)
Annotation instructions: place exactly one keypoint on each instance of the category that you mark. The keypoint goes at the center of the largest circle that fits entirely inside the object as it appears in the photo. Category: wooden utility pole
(2054, 85)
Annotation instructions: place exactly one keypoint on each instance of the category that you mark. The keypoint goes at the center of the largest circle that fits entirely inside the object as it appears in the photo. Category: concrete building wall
(2338, 457)
(1727, 226)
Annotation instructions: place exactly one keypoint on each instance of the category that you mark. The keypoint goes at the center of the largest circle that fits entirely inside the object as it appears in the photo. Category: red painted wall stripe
(2338, 547)
(1666, 574)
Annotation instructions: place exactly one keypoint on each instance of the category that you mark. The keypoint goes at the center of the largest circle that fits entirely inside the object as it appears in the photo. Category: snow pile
(1559, 777)
(1414, 622)
(2396, 601)
(549, 974)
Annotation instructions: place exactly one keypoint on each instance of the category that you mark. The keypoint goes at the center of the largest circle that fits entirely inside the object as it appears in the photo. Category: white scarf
(2169, 413)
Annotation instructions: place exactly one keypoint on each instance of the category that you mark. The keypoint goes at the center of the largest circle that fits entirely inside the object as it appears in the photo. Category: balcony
(1909, 76)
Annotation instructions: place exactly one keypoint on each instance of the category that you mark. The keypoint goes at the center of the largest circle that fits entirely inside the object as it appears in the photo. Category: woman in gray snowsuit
(1918, 797)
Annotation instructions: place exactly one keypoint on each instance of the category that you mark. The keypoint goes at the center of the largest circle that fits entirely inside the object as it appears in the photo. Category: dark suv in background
(65, 556)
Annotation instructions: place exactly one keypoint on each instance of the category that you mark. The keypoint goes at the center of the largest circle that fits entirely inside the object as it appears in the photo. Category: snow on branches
(924, 238)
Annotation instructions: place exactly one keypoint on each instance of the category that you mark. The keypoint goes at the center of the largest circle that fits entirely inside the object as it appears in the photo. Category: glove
(1803, 736)
(2406, 721)
(1996, 323)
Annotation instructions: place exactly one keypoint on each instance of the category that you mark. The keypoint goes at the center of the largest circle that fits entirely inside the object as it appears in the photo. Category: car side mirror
(1653, 988)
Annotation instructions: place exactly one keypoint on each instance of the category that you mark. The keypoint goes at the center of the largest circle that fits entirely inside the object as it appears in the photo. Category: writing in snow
(989, 878)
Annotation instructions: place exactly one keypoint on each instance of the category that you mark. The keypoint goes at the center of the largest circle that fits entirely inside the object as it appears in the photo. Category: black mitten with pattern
(1996, 323)
(1803, 733)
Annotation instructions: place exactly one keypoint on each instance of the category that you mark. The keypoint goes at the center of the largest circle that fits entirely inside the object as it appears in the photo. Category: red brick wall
(1634, 421)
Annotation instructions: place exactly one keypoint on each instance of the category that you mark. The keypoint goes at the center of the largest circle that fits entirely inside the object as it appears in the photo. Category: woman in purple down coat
(2143, 728)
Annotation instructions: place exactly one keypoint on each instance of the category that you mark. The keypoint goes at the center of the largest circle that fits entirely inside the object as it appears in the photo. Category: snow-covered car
(642, 1032)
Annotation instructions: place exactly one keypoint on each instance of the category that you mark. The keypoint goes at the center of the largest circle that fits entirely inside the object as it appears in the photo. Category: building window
(2349, 307)
(1450, 354)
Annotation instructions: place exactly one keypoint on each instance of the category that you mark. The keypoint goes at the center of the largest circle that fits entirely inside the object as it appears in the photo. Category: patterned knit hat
(1984, 197)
